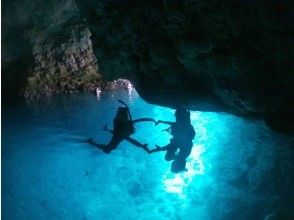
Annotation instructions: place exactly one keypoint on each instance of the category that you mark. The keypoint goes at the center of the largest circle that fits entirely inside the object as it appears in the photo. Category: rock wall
(66, 67)
(213, 55)
(46, 48)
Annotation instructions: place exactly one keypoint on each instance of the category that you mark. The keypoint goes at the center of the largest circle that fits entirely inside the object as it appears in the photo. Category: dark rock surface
(216, 55)
(47, 49)
(21, 23)
(63, 68)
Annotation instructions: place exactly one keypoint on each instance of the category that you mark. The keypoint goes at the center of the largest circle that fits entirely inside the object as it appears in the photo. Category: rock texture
(22, 23)
(215, 55)
(65, 67)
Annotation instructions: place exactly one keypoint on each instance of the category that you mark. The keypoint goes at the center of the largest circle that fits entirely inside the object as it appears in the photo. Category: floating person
(181, 143)
(123, 128)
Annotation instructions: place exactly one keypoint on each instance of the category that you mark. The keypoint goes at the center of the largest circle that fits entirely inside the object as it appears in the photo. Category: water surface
(238, 169)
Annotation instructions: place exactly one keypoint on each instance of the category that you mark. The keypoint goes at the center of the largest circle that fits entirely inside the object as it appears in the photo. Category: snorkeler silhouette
(123, 127)
(181, 144)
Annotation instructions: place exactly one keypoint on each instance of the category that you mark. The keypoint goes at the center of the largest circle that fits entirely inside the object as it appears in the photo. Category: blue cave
(238, 169)
(147, 110)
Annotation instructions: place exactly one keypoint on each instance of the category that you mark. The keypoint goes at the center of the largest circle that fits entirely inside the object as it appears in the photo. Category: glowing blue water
(237, 170)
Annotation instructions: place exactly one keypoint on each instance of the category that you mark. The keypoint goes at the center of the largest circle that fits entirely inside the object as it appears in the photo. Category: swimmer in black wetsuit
(123, 127)
(181, 144)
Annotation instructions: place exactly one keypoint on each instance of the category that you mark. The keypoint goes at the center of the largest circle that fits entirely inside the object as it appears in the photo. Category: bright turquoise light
(49, 172)
(177, 183)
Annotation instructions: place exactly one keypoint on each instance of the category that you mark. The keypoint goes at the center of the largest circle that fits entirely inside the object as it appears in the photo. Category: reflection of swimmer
(181, 144)
(123, 127)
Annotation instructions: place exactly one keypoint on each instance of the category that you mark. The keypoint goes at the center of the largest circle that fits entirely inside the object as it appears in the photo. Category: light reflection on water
(229, 161)
(177, 183)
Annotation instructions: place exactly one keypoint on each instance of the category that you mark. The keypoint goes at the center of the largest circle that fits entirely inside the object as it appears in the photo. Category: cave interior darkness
(64, 64)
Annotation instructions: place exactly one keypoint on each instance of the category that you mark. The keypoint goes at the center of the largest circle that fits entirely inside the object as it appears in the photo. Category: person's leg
(185, 150)
(107, 148)
(171, 151)
(178, 165)
(138, 144)
(113, 144)
(133, 141)
(103, 147)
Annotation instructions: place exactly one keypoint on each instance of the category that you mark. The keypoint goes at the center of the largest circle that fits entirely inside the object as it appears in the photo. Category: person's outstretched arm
(157, 149)
(144, 119)
(164, 122)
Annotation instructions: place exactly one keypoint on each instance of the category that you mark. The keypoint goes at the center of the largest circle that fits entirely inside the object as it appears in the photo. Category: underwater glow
(130, 87)
(232, 166)
(177, 183)
(98, 93)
